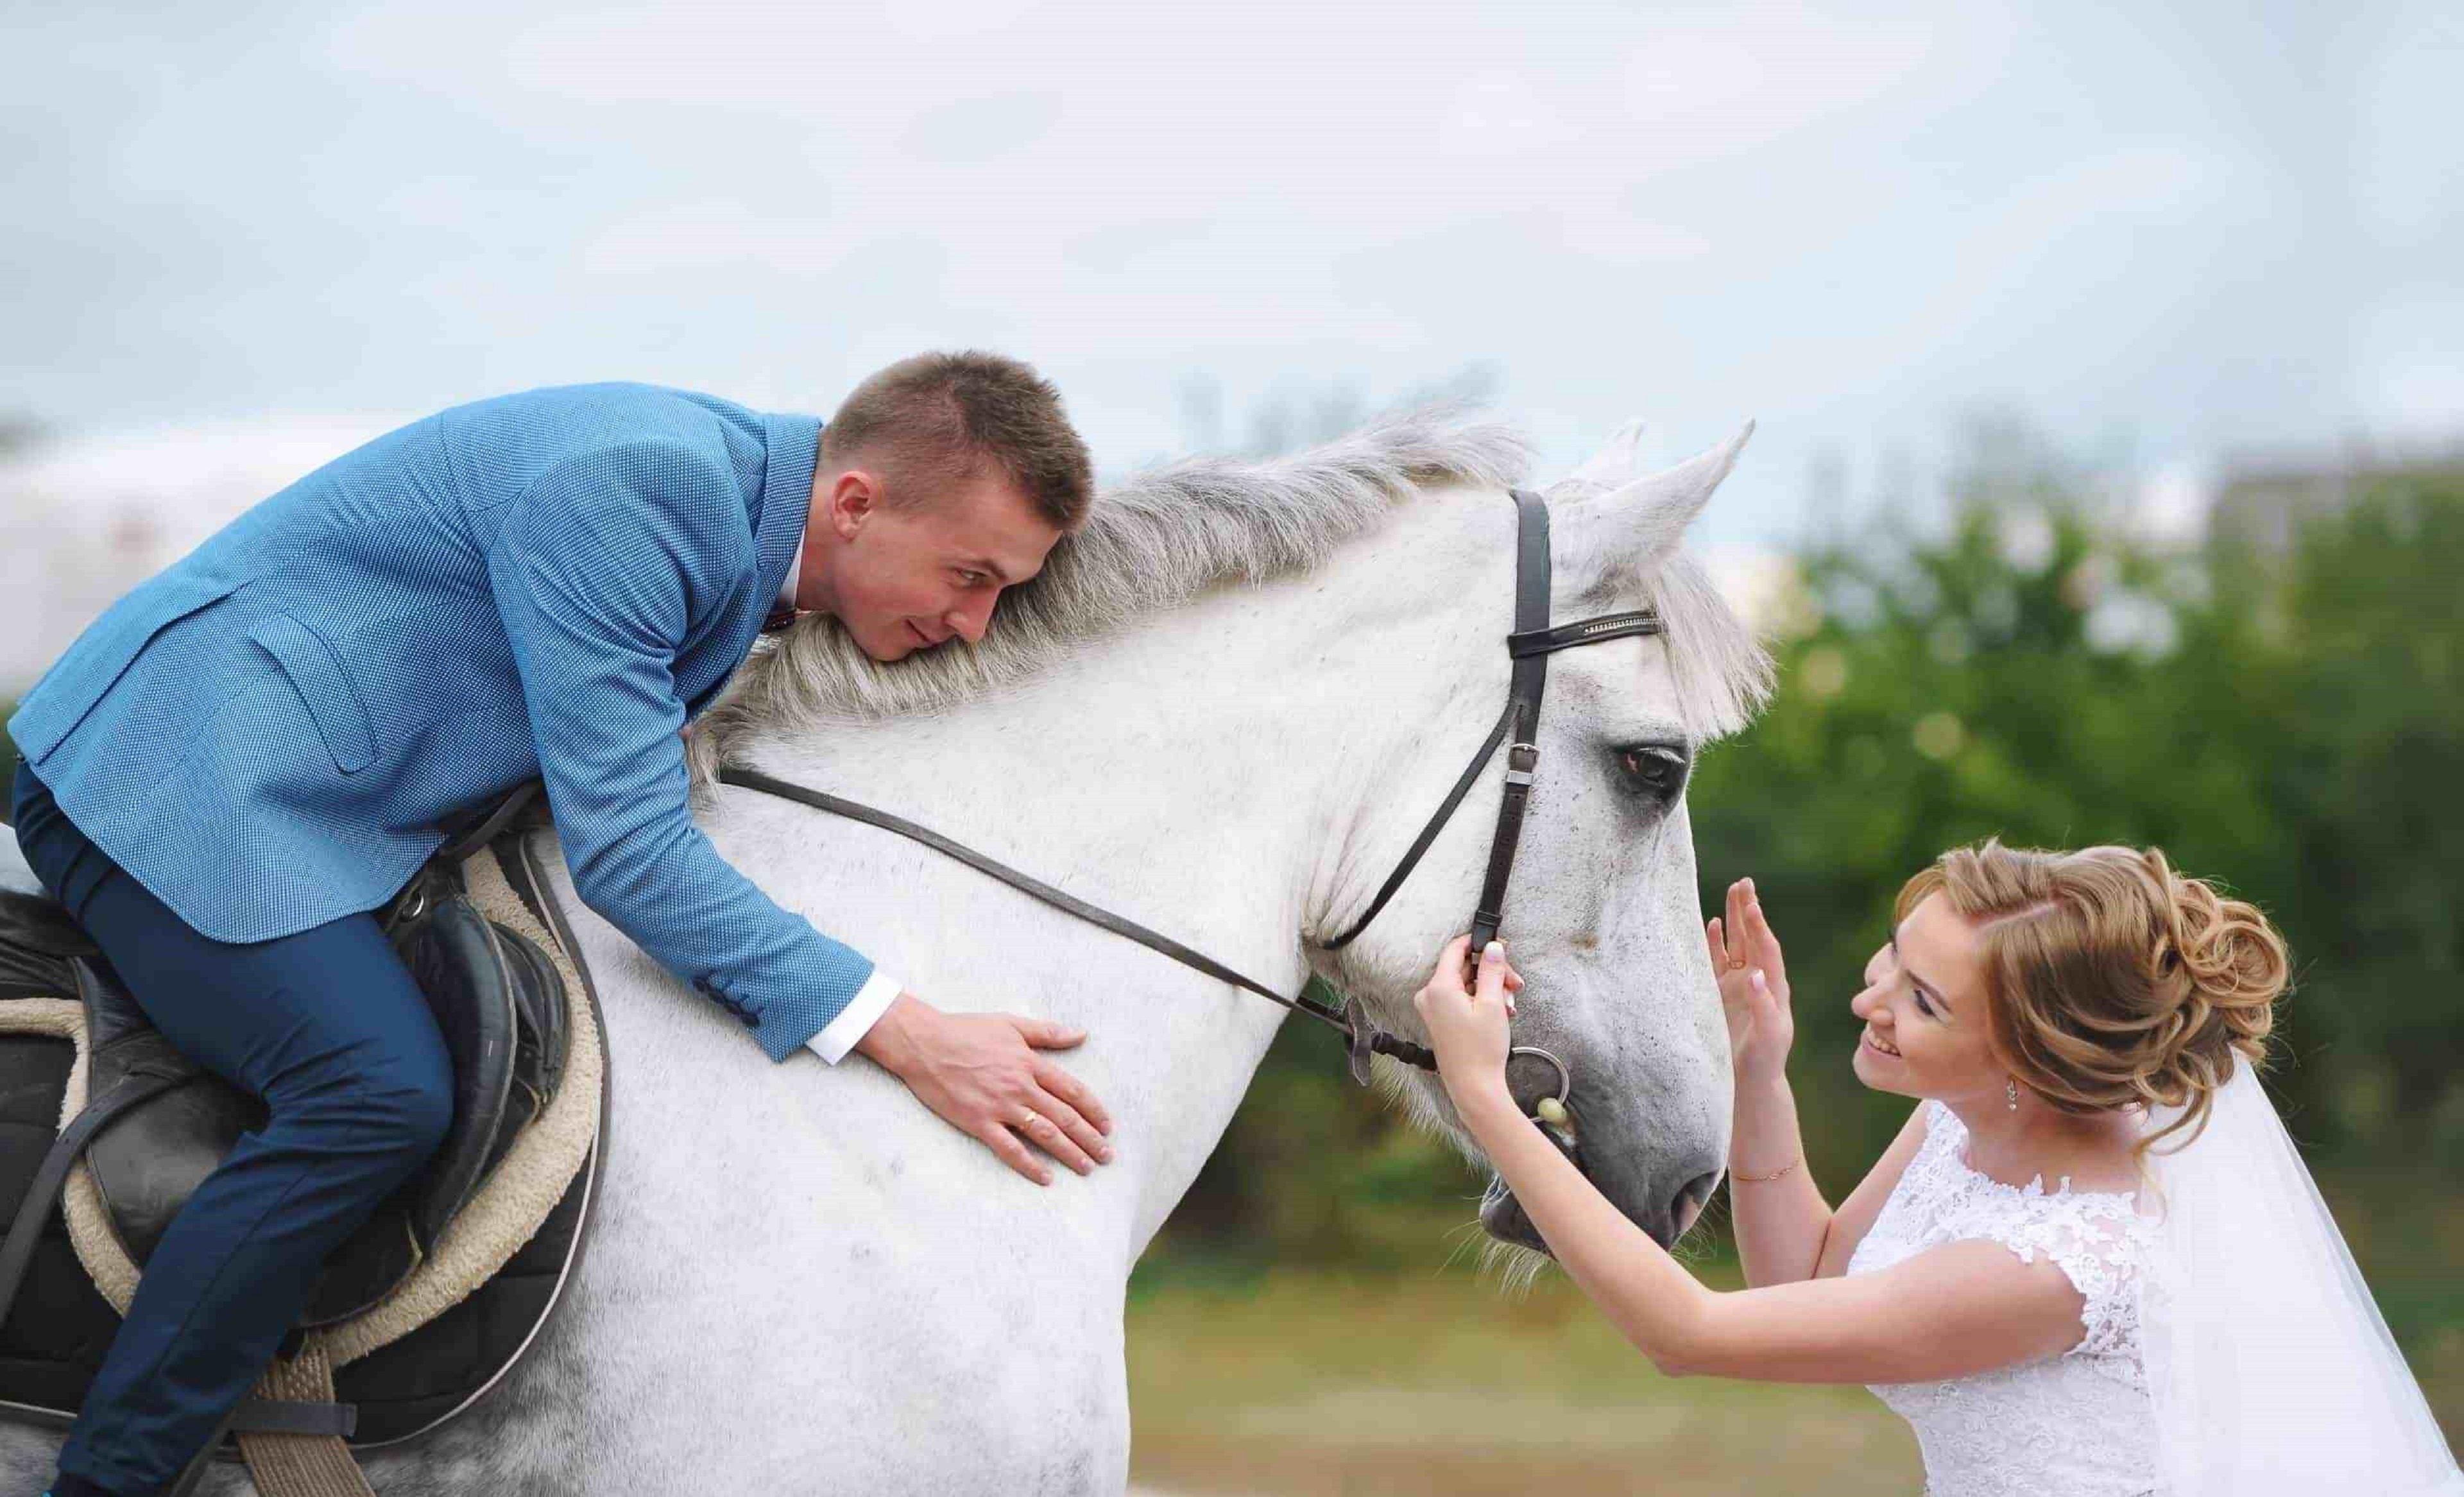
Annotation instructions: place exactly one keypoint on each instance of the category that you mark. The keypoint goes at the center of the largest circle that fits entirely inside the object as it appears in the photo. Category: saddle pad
(485, 1291)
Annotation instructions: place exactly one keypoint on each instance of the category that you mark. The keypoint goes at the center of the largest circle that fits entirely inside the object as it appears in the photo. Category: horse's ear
(1612, 465)
(1621, 536)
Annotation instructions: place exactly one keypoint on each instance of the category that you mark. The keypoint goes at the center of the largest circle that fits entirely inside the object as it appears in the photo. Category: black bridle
(1533, 641)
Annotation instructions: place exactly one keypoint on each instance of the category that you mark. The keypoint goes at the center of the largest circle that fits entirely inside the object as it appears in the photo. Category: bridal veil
(2271, 1371)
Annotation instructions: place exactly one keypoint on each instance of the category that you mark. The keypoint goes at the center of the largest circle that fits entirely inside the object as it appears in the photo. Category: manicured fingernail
(1758, 979)
(1104, 1155)
(1494, 950)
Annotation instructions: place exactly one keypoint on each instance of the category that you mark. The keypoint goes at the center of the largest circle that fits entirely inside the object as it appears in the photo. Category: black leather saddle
(156, 1123)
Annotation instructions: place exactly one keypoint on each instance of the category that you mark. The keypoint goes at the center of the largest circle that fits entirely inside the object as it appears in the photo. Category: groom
(252, 750)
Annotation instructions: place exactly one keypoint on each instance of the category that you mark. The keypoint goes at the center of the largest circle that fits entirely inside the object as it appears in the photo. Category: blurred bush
(2292, 725)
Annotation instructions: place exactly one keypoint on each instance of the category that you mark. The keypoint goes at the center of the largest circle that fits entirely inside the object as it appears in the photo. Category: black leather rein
(1533, 641)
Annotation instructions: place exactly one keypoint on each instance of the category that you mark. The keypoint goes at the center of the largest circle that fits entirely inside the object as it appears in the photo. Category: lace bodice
(2079, 1424)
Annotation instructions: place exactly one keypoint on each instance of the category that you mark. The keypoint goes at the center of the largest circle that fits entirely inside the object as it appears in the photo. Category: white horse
(800, 1281)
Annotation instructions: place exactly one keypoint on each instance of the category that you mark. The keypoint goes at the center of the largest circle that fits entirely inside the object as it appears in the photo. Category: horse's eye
(1653, 769)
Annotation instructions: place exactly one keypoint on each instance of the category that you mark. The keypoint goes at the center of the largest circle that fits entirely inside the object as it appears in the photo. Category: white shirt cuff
(857, 1018)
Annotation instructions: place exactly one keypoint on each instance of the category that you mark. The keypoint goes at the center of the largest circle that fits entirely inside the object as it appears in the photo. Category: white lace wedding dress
(2079, 1425)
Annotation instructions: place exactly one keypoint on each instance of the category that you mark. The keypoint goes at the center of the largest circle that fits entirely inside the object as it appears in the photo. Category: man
(251, 752)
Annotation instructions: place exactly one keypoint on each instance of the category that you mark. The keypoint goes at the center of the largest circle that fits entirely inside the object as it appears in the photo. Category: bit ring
(1565, 1075)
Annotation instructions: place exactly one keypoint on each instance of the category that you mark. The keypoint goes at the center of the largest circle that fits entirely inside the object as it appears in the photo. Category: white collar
(795, 568)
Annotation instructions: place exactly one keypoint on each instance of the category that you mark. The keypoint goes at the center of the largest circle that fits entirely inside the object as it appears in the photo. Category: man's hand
(982, 1074)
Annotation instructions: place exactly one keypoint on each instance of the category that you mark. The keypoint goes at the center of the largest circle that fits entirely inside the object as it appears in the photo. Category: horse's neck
(1223, 773)
(1245, 741)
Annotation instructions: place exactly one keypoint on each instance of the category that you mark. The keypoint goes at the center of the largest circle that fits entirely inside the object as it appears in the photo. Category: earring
(2010, 1092)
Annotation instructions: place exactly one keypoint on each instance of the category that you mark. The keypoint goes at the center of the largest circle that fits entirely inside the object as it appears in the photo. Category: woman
(2089, 1018)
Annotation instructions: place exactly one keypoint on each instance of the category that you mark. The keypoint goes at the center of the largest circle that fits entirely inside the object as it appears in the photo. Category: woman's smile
(1875, 1041)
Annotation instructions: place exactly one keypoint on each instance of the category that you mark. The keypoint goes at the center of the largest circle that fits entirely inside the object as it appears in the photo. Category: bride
(2175, 1313)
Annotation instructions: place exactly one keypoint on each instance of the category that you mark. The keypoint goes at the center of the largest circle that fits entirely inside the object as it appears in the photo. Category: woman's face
(1924, 1007)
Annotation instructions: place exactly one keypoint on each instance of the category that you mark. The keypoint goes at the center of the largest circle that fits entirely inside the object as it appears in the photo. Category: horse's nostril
(1691, 1199)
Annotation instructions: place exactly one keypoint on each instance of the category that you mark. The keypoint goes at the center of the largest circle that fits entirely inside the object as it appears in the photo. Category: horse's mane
(1159, 540)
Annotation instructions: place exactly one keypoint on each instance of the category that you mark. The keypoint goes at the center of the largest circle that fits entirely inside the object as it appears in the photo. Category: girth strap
(299, 1465)
(294, 1416)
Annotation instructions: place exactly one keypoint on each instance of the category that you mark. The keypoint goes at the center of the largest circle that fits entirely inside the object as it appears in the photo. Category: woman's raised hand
(1754, 986)
(1469, 1022)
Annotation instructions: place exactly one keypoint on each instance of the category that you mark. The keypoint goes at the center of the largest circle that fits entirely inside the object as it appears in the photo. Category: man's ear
(851, 499)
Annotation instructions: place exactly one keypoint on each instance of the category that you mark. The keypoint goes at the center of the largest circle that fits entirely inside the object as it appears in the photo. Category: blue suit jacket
(267, 734)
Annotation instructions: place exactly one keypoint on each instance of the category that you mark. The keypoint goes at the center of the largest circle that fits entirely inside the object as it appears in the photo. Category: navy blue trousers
(328, 1027)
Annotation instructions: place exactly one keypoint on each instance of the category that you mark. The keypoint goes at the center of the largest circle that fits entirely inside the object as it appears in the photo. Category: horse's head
(1601, 918)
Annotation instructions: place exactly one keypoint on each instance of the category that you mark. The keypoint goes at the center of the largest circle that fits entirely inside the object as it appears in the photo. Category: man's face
(906, 578)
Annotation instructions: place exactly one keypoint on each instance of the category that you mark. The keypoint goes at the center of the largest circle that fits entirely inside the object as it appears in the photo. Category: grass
(1249, 1381)
(1298, 1384)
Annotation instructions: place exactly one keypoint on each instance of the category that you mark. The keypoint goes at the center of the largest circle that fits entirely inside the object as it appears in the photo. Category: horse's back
(15, 872)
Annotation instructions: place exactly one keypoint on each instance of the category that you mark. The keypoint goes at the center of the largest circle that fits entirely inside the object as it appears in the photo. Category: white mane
(1165, 537)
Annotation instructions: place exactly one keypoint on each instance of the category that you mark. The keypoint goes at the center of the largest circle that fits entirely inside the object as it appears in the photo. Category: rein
(1531, 644)
(1034, 887)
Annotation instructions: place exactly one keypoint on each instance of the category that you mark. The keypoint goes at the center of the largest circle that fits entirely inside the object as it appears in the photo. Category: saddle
(106, 1129)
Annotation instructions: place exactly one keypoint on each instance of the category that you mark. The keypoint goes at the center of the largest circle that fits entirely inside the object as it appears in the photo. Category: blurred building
(84, 519)
(2264, 501)
(1764, 584)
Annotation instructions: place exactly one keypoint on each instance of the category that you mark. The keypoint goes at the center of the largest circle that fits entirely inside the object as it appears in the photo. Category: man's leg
(328, 1028)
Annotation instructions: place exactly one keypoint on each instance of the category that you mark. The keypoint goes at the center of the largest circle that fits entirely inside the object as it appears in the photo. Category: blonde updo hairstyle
(2112, 981)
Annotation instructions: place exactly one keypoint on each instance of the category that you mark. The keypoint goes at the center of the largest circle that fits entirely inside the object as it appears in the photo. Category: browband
(1587, 631)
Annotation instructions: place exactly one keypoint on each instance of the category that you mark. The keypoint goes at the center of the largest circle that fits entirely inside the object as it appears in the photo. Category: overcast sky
(2162, 232)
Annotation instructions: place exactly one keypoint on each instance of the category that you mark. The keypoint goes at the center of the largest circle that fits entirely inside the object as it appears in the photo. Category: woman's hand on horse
(1470, 1025)
(985, 1075)
(1754, 986)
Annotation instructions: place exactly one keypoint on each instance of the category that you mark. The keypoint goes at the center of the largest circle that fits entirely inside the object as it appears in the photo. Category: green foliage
(2366, 778)
(2288, 726)
(2292, 726)
(2029, 677)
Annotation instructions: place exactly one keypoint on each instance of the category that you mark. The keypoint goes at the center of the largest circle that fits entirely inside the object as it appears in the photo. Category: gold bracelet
(1757, 1179)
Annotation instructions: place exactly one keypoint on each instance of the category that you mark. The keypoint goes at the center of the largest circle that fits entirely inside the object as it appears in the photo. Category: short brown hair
(2111, 978)
(937, 417)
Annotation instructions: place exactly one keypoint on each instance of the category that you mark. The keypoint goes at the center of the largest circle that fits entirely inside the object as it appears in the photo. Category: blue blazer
(267, 734)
